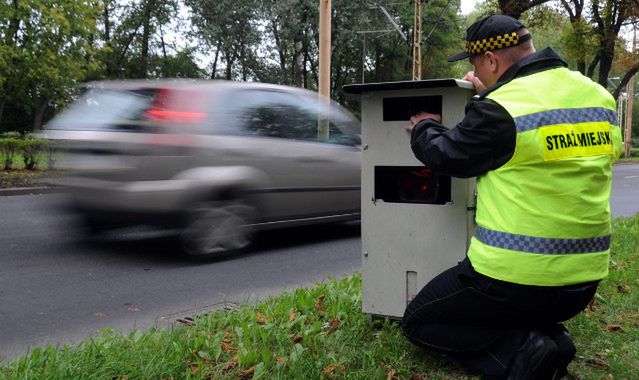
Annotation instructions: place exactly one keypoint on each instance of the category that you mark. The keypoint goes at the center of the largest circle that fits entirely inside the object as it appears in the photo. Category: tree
(609, 16)
(48, 51)
(230, 27)
(606, 20)
(515, 8)
(132, 40)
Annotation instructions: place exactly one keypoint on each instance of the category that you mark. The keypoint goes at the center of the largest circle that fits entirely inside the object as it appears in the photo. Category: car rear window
(100, 109)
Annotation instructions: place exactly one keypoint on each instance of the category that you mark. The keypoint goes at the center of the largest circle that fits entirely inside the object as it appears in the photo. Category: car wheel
(218, 229)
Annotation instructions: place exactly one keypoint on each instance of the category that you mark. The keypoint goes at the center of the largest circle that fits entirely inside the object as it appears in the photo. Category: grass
(320, 333)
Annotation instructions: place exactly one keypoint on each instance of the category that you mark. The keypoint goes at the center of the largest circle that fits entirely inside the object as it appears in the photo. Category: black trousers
(480, 321)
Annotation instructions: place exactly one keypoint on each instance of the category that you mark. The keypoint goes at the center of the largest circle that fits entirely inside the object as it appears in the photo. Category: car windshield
(104, 109)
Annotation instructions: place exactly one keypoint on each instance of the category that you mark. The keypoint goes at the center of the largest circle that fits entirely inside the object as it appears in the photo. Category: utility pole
(324, 64)
(417, 41)
(630, 98)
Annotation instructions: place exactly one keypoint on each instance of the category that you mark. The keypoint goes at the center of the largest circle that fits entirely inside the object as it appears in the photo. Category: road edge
(28, 190)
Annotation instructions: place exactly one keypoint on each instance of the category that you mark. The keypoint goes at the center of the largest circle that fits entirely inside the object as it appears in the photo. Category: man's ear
(493, 61)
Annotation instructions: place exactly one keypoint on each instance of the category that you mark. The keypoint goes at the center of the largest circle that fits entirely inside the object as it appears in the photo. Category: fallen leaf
(623, 288)
(619, 318)
(615, 328)
(247, 373)
(329, 369)
(417, 376)
(334, 323)
(231, 364)
(599, 363)
(226, 346)
(259, 318)
(297, 339)
(600, 354)
(100, 314)
(133, 309)
(319, 303)
(617, 265)
(195, 369)
(608, 377)
(591, 306)
(293, 316)
(391, 374)
(280, 360)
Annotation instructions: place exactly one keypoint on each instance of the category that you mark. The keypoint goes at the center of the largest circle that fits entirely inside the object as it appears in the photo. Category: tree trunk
(298, 61)
(605, 63)
(243, 60)
(306, 62)
(624, 81)
(515, 8)
(3, 101)
(146, 32)
(230, 58)
(40, 105)
(217, 56)
(107, 22)
(281, 51)
(593, 65)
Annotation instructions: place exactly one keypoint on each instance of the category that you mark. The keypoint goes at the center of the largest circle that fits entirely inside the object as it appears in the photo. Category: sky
(467, 6)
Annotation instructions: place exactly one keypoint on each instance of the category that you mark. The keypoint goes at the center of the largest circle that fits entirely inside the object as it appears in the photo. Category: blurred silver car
(216, 159)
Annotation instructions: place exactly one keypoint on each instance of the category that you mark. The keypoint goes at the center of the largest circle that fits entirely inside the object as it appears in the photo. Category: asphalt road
(625, 190)
(58, 288)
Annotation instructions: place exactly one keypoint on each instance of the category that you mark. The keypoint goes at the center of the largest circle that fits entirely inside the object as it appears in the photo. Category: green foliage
(31, 150)
(48, 48)
(47, 52)
(9, 147)
(11, 135)
(321, 333)
(134, 41)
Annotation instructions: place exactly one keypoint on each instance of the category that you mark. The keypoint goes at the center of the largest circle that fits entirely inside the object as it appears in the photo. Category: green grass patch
(320, 333)
(41, 161)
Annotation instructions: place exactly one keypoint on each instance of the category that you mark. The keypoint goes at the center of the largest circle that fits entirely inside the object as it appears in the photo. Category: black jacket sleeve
(483, 141)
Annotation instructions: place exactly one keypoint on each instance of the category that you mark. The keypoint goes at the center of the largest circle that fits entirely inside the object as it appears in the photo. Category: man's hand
(479, 86)
(419, 117)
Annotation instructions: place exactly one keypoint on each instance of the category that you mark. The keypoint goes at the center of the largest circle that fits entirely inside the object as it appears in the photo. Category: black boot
(566, 348)
(536, 359)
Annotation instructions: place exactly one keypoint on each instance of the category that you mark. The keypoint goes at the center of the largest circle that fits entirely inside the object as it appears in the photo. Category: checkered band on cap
(533, 244)
(492, 43)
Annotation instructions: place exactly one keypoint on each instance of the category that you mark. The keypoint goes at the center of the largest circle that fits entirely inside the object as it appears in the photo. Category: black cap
(491, 33)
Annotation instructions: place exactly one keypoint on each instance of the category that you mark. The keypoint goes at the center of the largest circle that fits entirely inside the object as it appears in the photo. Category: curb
(28, 190)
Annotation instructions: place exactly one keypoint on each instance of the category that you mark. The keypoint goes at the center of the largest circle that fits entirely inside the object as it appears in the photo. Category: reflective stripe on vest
(532, 244)
(565, 116)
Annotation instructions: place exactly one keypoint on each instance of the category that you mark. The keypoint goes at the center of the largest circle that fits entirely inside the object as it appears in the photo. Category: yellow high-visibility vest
(544, 217)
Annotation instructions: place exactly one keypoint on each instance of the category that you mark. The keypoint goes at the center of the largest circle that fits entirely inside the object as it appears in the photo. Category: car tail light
(178, 106)
(178, 117)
